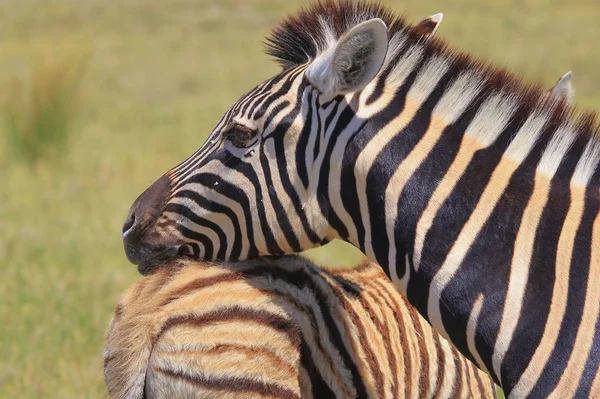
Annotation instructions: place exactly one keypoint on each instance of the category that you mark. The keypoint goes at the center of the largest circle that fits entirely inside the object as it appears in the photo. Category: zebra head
(261, 183)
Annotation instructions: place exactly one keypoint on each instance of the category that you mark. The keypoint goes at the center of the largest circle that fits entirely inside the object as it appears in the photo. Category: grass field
(157, 76)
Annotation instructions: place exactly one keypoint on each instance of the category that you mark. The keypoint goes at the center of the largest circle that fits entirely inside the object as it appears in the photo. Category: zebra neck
(473, 211)
(394, 182)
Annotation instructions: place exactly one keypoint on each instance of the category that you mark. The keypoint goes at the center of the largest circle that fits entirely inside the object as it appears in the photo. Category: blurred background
(99, 98)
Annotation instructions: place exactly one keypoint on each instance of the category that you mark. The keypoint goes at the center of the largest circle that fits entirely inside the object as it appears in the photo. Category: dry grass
(159, 75)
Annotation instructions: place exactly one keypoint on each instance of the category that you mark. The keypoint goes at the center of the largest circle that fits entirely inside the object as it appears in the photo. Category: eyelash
(239, 135)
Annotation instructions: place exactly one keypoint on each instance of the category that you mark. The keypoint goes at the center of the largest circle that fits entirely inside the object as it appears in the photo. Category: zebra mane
(302, 37)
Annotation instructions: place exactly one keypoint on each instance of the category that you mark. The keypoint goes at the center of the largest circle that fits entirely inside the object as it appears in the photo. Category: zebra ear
(353, 62)
(564, 89)
(427, 27)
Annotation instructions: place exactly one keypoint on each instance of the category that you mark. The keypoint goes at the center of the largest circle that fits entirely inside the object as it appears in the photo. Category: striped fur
(253, 330)
(478, 194)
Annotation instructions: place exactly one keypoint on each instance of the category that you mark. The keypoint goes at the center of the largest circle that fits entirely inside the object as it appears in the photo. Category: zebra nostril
(143, 214)
(128, 225)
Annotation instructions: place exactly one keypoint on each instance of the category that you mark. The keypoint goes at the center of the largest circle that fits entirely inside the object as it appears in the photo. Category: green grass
(158, 76)
(39, 111)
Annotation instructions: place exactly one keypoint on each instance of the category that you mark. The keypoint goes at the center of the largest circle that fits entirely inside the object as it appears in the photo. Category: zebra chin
(148, 258)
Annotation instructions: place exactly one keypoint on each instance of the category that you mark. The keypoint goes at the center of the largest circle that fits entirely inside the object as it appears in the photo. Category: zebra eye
(240, 135)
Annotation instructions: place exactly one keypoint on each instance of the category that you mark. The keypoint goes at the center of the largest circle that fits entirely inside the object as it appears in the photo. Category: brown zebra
(294, 330)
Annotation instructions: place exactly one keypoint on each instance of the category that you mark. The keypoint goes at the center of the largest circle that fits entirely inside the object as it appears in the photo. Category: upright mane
(302, 37)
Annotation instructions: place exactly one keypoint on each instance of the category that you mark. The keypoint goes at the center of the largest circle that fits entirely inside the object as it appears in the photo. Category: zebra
(285, 329)
(475, 191)
(563, 89)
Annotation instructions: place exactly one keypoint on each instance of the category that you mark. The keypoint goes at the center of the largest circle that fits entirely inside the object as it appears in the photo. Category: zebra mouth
(149, 259)
(148, 262)
(148, 265)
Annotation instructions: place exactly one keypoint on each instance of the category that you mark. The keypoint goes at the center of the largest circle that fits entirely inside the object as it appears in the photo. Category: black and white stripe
(476, 193)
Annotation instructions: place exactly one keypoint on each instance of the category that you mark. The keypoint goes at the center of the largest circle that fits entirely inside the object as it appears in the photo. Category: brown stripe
(441, 357)
(364, 265)
(323, 323)
(235, 313)
(405, 355)
(258, 273)
(458, 383)
(403, 346)
(423, 357)
(232, 384)
(384, 331)
(251, 351)
(198, 284)
(323, 293)
(370, 357)
(477, 373)
(400, 312)
(391, 303)
(423, 374)
(350, 278)
(467, 373)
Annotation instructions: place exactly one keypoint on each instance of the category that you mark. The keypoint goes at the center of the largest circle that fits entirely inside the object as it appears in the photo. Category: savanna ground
(154, 78)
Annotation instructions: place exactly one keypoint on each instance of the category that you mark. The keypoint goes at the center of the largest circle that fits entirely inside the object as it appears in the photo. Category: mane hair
(298, 39)
(302, 37)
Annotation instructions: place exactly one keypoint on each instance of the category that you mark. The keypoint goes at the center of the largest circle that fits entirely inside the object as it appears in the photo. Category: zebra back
(195, 329)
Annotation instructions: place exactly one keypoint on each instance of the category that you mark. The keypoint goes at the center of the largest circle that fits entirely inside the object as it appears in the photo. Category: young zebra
(477, 194)
(284, 329)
